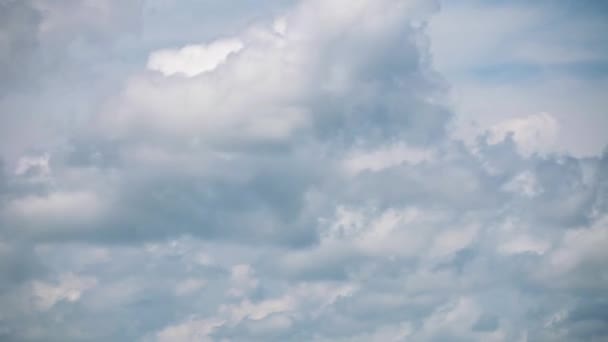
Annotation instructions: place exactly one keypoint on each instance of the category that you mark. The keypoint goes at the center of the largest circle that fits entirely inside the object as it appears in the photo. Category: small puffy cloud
(33, 165)
(68, 288)
(533, 134)
(192, 60)
(385, 157)
(524, 183)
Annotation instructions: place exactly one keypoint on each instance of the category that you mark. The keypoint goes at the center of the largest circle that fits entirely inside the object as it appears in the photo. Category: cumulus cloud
(69, 288)
(192, 60)
(535, 133)
(295, 182)
(509, 60)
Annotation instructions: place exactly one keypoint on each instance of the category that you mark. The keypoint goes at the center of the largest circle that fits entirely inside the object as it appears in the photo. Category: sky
(303, 170)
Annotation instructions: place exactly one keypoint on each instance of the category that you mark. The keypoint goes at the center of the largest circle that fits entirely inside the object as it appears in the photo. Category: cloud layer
(289, 175)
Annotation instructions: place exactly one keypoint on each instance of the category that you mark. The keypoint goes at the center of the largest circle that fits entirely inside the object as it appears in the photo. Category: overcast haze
(314, 170)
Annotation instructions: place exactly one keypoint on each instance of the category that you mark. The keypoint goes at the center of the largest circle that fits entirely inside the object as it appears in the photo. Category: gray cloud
(301, 186)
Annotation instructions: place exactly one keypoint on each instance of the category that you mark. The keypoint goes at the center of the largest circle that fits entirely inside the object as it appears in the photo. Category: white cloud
(189, 286)
(533, 134)
(504, 61)
(256, 311)
(280, 26)
(39, 164)
(453, 240)
(581, 246)
(386, 157)
(69, 288)
(56, 208)
(193, 60)
(525, 184)
(243, 280)
(523, 244)
(191, 331)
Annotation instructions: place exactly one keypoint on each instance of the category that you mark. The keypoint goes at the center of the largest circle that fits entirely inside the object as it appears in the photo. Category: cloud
(235, 129)
(193, 59)
(69, 288)
(287, 173)
(536, 133)
(385, 157)
(507, 61)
